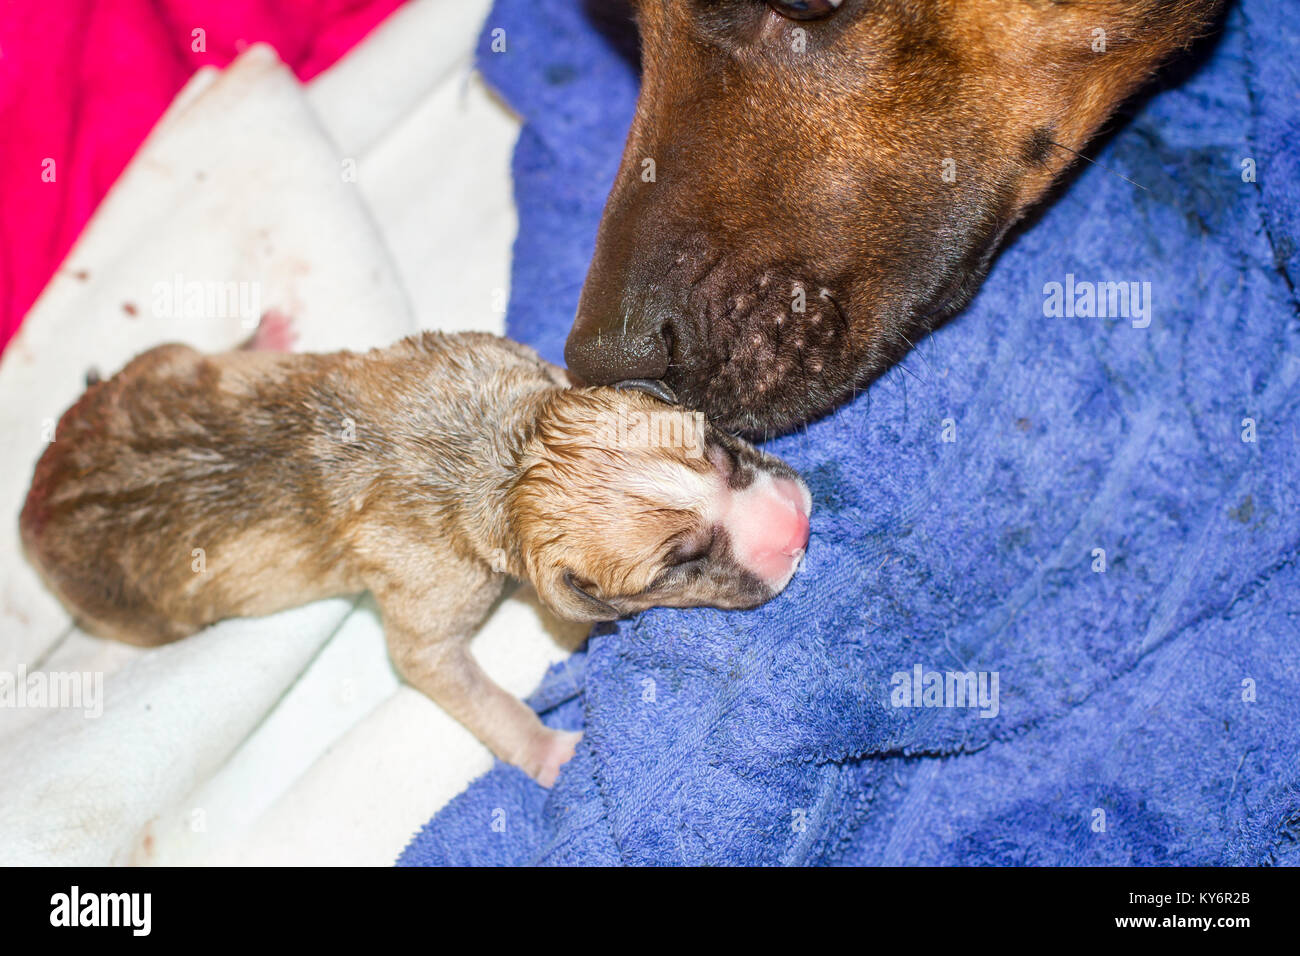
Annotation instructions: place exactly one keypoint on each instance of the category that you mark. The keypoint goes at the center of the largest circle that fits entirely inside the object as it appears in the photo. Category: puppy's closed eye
(689, 554)
(695, 549)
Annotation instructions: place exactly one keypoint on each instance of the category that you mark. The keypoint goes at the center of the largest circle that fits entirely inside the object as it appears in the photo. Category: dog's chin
(785, 404)
(760, 379)
(767, 369)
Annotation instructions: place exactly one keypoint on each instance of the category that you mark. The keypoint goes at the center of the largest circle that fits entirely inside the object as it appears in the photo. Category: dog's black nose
(606, 352)
(620, 333)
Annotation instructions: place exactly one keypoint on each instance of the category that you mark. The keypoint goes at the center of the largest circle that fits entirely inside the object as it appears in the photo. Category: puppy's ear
(651, 387)
(592, 605)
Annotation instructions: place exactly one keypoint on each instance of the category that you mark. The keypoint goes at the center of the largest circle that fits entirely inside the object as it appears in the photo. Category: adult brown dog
(811, 185)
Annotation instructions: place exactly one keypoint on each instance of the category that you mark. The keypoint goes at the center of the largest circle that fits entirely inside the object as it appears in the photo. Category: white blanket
(371, 204)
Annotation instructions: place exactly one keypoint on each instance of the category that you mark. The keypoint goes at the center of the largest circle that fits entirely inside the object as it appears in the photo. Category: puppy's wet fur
(190, 488)
(832, 179)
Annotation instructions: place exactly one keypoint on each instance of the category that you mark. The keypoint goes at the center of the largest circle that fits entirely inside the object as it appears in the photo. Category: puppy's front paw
(550, 752)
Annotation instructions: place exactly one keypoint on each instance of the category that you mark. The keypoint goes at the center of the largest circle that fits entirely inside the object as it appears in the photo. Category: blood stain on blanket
(560, 73)
(1202, 183)
(1015, 539)
(1060, 827)
(1288, 832)
(145, 847)
(829, 490)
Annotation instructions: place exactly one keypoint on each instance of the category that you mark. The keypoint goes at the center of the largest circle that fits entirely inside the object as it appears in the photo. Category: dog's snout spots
(758, 338)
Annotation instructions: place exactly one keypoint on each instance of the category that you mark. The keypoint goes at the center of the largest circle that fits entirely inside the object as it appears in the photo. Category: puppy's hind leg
(428, 630)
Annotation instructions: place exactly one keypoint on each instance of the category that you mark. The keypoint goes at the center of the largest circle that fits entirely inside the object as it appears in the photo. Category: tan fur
(192, 488)
(555, 495)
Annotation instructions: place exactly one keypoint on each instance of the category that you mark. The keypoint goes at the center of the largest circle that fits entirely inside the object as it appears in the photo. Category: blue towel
(1097, 513)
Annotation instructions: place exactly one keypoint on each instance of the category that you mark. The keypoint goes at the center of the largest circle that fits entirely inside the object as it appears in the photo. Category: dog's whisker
(1098, 165)
(917, 352)
(903, 364)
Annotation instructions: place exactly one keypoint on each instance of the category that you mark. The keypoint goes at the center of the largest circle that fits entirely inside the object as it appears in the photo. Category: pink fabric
(83, 81)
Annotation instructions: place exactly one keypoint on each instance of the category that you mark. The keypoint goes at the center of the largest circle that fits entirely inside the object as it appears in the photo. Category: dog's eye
(805, 9)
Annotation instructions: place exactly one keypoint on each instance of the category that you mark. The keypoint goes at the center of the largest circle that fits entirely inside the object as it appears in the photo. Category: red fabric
(82, 82)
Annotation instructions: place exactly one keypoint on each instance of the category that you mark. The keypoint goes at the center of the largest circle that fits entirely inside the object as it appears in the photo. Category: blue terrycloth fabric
(1148, 713)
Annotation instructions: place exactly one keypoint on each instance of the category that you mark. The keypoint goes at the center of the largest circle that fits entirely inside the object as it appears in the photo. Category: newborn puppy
(190, 488)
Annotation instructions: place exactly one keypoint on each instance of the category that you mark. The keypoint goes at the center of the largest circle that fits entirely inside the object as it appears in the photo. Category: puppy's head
(810, 185)
(625, 502)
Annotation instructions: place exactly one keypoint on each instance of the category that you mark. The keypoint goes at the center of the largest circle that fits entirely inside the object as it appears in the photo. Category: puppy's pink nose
(770, 529)
(788, 515)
